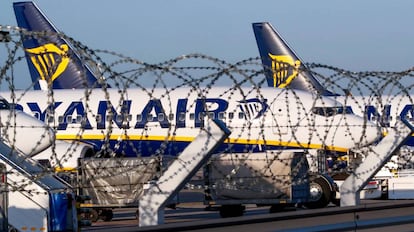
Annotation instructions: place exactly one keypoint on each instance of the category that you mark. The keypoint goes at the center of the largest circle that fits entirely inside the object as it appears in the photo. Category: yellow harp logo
(44, 59)
(284, 70)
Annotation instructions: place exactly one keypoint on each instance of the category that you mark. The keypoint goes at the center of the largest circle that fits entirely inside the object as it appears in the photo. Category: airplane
(141, 129)
(284, 69)
(263, 122)
(144, 123)
(140, 123)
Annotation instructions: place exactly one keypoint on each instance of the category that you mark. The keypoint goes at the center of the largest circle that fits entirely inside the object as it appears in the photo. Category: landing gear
(95, 214)
(320, 193)
(106, 215)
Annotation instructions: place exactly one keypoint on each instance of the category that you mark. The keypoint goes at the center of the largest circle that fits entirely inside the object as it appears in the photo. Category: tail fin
(281, 64)
(51, 60)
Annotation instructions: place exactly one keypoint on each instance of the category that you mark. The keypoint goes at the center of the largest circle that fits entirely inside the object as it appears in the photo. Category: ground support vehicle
(37, 199)
(277, 178)
(113, 183)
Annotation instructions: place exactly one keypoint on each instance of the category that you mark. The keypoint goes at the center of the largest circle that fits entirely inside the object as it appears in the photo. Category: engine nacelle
(64, 155)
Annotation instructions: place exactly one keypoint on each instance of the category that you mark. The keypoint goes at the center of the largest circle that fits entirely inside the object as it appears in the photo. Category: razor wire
(201, 75)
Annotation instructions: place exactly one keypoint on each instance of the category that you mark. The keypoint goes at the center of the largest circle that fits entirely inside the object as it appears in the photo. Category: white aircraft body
(22, 131)
(140, 123)
(136, 124)
(284, 69)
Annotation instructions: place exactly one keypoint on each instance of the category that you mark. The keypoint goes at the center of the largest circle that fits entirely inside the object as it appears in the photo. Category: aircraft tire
(320, 194)
(107, 215)
(93, 216)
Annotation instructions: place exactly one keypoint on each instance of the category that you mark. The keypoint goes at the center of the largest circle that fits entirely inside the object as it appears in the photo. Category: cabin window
(127, 118)
(221, 115)
(61, 119)
(181, 118)
(79, 119)
(348, 110)
(139, 118)
(50, 118)
(327, 111)
(171, 117)
(201, 116)
(4, 105)
(109, 117)
(118, 118)
(241, 115)
(192, 116)
(98, 118)
(161, 117)
(150, 118)
(123, 118)
(231, 115)
(211, 115)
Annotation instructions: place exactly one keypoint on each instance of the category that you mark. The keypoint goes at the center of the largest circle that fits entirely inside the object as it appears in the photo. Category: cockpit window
(330, 111)
(348, 110)
(4, 105)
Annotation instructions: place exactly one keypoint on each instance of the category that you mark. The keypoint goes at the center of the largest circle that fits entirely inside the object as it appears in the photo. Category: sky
(355, 35)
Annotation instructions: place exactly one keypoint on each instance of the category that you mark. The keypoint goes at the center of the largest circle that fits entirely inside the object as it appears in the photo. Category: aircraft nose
(358, 132)
(371, 133)
(27, 133)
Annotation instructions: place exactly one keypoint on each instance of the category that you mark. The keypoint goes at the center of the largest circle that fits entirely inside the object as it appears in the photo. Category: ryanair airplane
(284, 68)
(143, 123)
(165, 121)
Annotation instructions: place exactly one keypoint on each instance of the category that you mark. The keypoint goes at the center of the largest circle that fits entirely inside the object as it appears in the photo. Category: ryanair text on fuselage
(153, 111)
